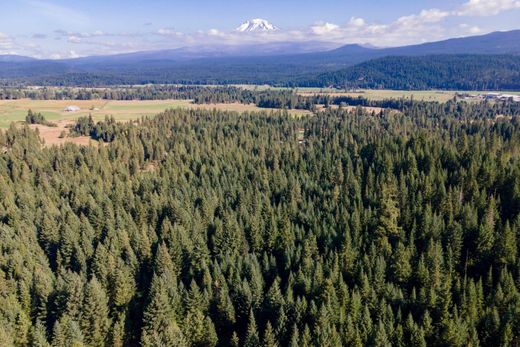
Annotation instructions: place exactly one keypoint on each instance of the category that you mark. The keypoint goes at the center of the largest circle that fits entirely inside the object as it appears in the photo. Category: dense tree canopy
(455, 72)
(208, 228)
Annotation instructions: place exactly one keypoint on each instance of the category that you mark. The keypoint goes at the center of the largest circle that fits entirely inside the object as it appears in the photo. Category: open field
(53, 110)
(375, 94)
(372, 94)
(426, 95)
(52, 135)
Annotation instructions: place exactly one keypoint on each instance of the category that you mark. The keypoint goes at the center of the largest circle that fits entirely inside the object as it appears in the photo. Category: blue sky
(59, 28)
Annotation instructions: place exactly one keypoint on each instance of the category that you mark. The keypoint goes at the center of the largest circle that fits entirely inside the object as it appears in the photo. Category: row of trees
(210, 228)
(149, 92)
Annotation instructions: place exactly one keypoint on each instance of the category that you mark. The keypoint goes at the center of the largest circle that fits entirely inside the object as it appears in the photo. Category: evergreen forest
(214, 228)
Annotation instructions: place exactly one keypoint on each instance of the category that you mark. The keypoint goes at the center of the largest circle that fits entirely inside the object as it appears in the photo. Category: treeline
(280, 99)
(210, 228)
(151, 92)
(203, 73)
(452, 72)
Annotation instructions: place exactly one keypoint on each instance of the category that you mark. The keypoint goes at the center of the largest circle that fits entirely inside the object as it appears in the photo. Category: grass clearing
(52, 135)
(375, 94)
(372, 94)
(54, 110)
(425, 95)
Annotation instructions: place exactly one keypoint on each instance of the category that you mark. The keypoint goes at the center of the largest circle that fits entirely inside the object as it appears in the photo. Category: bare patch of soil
(150, 167)
(53, 135)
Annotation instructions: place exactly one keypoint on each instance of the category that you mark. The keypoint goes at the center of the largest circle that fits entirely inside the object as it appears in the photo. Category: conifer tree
(95, 321)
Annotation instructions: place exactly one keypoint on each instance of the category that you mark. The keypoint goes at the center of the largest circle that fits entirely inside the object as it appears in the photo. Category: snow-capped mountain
(256, 25)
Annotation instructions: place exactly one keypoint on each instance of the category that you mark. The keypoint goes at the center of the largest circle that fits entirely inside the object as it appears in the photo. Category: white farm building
(72, 108)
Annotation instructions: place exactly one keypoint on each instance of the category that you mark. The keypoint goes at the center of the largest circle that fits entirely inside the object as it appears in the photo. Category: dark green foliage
(105, 131)
(199, 94)
(455, 72)
(398, 228)
(37, 118)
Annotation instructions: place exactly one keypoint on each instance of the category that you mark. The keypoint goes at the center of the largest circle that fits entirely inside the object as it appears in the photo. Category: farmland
(127, 110)
(381, 94)
(371, 94)
(374, 94)
(54, 110)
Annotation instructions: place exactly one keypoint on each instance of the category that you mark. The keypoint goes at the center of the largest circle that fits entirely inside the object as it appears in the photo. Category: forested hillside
(444, 71)
(224, 71)
(455, 72)
(207, 228)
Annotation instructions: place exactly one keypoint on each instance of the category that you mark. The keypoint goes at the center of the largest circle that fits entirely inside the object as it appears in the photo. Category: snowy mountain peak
(256, 25)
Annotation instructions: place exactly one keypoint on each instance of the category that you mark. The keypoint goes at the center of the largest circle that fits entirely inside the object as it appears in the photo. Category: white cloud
(487, 7)
(6, 43)
(215, 32)
(358, 22)
(65, 55)
(169, 32)
(425, 16)
(474, 30)
(426, 25)
(73, 54)
(84, 35)
(324, 28)
(88, 43)
(470, 29)
(376, 29)
(74, 39)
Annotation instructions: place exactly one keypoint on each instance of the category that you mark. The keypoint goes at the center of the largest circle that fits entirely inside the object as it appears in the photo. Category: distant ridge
(507, 42)
(280, 63)
(500, 42)
(12, 58)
